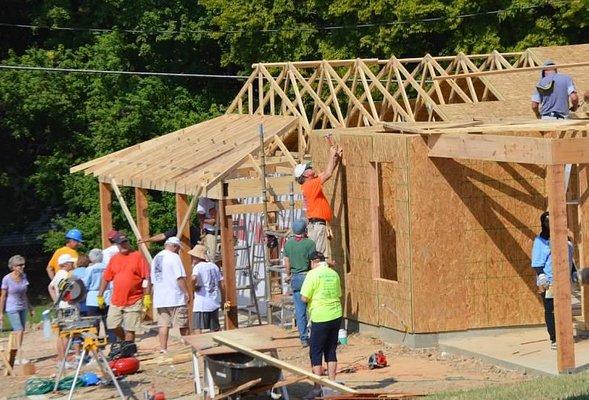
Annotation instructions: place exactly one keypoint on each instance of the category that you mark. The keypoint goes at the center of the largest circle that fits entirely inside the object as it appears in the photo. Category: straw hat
(199, 251)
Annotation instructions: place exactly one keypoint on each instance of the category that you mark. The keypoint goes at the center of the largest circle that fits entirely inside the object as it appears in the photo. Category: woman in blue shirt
(542, 264)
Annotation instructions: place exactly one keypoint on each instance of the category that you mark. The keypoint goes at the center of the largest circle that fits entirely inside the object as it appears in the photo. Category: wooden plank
(511, 71)
(284, 365)
(105, 195)
(584, 236)
(234, 209)
(570, 150)
(563, 315)
(228, 254)
(524, 150)
(183, 210)
(131, 221)
(189, 211)
(286, 151)
(375, 218)
(141, 212)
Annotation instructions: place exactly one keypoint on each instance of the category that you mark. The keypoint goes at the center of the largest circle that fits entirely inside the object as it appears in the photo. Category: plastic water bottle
(47, 332)
(342, 336)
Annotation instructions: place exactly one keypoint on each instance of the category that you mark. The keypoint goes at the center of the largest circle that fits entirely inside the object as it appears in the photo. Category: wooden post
(182, 208)
(228, 254)
(141, 212)
(560, 268)
(584, 235)
(105, 195)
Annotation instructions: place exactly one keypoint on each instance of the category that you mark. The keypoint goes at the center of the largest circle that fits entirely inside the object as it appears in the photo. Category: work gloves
(147, 303)
(100, 301)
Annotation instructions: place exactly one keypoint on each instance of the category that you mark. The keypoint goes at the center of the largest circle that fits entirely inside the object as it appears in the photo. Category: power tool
(377, 360)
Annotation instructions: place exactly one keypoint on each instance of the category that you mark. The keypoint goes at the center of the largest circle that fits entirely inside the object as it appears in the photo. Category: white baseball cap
(300, 169)
(65, 258)
(173, 240)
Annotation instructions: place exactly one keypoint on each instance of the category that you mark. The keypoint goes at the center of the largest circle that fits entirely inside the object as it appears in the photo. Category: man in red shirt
(129, 273)
(318, 209)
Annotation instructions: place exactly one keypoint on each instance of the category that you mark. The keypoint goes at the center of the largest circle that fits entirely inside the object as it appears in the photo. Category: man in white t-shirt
(66, 265)
(207, 216)
(170, 292)
(206, 279)
(112, 249)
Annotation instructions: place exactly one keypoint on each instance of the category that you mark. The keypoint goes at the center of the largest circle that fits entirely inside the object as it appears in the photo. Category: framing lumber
(257, 208)
(105, 196)
(182, 211)
(523, 150)
(131, 221)
(142, 212)
(228, 254)
(584, 235)
(191, 207)
(511, 71)
(375, 219)
(560, 265)
(284, 365)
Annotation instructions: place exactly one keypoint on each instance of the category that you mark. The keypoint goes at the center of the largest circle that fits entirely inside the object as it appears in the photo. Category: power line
(274, 30)
(144, 73)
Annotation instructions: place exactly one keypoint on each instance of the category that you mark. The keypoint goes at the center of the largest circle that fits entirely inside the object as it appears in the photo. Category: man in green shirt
(297, 251)
(322, 292)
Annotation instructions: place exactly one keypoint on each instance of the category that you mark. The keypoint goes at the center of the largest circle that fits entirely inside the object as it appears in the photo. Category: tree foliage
(52, 121)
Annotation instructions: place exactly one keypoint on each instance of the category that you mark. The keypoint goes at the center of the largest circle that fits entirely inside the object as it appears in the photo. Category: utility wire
(282, 29)
(97, 71)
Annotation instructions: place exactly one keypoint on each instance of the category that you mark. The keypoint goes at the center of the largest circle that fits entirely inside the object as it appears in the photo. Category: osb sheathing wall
(461, 232)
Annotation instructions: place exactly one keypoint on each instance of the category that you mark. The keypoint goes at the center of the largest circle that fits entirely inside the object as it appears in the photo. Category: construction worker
(208, 291)
(160, 237)
(552, 94)
(207, 215)
(322, 292)
(542, 264)
(129, 273)
(170, 292)
(318, 209)
(74, 240)
(297, 253)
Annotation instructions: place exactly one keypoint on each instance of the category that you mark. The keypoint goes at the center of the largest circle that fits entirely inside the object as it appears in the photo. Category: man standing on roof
(553, 92)
(74, 241)
(207, 215)
(129, 273)
(318, 210)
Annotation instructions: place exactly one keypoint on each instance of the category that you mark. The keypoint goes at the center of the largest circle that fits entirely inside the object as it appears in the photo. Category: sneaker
(305, 343)
(21, 362)
(313, 393)
(553, 346)
(164, 352)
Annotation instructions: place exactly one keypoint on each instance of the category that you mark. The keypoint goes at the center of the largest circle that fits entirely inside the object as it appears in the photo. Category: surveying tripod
(91, 344)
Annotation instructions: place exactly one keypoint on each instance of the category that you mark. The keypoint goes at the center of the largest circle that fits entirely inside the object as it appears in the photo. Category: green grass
(566, 387)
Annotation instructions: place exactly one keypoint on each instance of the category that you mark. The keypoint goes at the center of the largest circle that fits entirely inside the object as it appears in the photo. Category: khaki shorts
(212, 244)
(129, 317)
(318, 233)
(172, 317)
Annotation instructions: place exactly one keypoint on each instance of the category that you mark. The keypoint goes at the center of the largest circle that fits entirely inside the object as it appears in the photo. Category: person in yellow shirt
(74, 240)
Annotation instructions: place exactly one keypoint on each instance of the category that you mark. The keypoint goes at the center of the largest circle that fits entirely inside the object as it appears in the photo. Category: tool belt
(554, 114)
(317, 221)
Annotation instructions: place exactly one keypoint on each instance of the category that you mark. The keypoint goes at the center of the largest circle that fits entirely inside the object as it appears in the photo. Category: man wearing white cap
(206, 278)
(170, 292)
(318, 209)
(552, 94)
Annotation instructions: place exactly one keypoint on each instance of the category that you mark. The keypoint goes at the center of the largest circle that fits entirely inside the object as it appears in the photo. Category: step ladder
(278, 302)
(247, 268)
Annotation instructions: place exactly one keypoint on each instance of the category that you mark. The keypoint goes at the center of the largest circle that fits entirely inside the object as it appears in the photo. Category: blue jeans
(300, 307)
(17, 319)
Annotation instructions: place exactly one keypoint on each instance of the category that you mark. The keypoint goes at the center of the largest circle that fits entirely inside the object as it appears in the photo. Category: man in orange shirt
(74, 240)
(129, 273)
(318, 209)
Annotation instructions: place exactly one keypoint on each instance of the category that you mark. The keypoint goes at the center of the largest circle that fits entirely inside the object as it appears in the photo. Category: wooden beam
(570, 150)
(182, 210)
(511, 71)
(563, 315)
(283, 365)
(374, 171)
(525, 150)
(131, 221)
(228, 254)
(584, 236)
(184, 223)
(258, 207)
(105, 195)
(141, 212)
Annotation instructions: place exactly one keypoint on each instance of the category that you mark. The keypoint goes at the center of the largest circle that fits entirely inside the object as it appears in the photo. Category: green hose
(44, 385)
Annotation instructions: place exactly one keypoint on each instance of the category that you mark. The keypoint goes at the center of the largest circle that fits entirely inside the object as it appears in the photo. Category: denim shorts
(17, 319)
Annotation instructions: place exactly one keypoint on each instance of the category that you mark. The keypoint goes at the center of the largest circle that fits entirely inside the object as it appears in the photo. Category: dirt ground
(413, 371)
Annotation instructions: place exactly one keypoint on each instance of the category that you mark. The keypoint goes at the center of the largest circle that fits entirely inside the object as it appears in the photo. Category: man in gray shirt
(551, 97)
